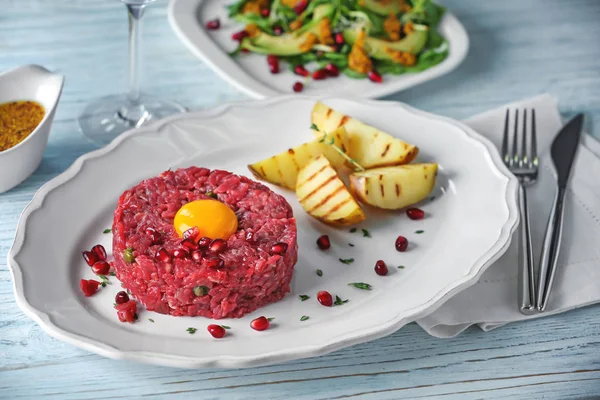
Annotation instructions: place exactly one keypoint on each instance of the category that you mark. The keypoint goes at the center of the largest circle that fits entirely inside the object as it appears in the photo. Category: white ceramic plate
(468, 226)
(249, 73)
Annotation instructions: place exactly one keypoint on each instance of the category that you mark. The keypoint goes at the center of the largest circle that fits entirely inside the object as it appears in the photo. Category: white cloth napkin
(492, 301)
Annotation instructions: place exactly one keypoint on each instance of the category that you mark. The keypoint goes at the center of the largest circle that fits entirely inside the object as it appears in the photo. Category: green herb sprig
(361, 285)
(328, 139)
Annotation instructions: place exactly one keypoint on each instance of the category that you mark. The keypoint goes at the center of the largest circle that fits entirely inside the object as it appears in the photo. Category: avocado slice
(288, 44)
(284, 45)
(380, 8)
(320, 12)
(376, 48)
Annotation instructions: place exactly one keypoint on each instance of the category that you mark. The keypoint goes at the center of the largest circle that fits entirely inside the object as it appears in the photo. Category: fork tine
(523, 153)
(505, 154)
(515, 157)
(533, 160)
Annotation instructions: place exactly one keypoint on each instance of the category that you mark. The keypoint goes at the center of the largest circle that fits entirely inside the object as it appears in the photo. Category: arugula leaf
(353, 74)
(236, 7)
(257, 20)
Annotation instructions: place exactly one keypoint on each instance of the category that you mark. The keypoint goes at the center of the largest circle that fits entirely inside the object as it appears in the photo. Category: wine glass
(107, 117)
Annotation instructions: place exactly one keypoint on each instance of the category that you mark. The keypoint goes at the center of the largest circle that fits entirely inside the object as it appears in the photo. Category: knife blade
(563, 152)
(564, 148)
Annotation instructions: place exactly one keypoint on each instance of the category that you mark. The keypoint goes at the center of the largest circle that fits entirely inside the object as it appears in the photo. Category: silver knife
(563, 152)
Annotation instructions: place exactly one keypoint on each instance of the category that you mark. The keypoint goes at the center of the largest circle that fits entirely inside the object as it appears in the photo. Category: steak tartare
(257, 264)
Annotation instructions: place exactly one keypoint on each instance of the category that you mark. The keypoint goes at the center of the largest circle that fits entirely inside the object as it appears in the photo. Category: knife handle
(525, 265)
(550, 249)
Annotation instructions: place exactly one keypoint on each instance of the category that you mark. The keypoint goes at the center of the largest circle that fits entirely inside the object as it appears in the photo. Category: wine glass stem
(136, 13)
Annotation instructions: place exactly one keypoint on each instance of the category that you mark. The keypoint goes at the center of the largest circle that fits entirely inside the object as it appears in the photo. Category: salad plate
(250, 73)
(470, 217)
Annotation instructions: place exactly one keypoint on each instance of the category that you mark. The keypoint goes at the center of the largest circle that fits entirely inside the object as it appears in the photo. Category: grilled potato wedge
(368, 146)
(394, 187)
(324, 196)
(282, 169)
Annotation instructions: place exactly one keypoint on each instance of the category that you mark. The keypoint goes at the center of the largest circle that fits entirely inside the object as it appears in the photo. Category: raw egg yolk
(212, 218)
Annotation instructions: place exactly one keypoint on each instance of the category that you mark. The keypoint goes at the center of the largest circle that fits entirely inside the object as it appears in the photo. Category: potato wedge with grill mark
(282, 169)
(368, 146)
(324, 196)
(394, 187)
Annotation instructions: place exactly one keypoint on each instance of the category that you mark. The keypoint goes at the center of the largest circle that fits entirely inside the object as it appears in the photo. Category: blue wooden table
(518, 49)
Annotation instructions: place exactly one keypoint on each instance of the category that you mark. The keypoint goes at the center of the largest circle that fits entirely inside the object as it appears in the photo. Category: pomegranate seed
(100, 252)
(401, 243)
(89, 287)
(319, 74)
(189, 244)
(415, 213)
(277, 30)
(301, 70)
(374, 76)
(163, 255)
(300, 6)
(197, 255)
(298, 87)
(260, 323)
(245, 51)
(273, 63)
(332, 70)
(216, 331)
(381, 268)
(213, 24)
(215, 262)
(204, 242)
(279, 248)
(218, 246)
(121, 297)
(272, 59)
(239, 36)
(339, 38)
(191, 233)
(274, 68)
(325, 298)
(153, 234)
(265, 12)
(181, 252)
(323, 242)
(90, 257)
(101, 268)
(127, 312)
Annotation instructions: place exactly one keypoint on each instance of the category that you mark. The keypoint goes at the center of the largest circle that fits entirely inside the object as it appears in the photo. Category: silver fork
(522, 161)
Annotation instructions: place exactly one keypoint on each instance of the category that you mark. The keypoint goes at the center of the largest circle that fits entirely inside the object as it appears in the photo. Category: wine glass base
(108, 117)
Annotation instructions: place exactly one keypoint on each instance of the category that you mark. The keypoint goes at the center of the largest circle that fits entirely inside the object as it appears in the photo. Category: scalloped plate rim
(210, 53)
(372, 333)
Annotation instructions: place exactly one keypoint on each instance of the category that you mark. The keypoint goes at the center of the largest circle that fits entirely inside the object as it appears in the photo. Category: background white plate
(250, 73)
(468, 226)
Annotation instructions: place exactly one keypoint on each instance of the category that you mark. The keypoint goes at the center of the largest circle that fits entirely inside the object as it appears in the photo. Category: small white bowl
(30, 82)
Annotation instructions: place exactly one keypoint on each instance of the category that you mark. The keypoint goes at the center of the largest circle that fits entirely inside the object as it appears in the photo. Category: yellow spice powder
(17, 120)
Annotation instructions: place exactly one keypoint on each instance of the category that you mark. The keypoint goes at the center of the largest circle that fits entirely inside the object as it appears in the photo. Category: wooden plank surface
(518, 49)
